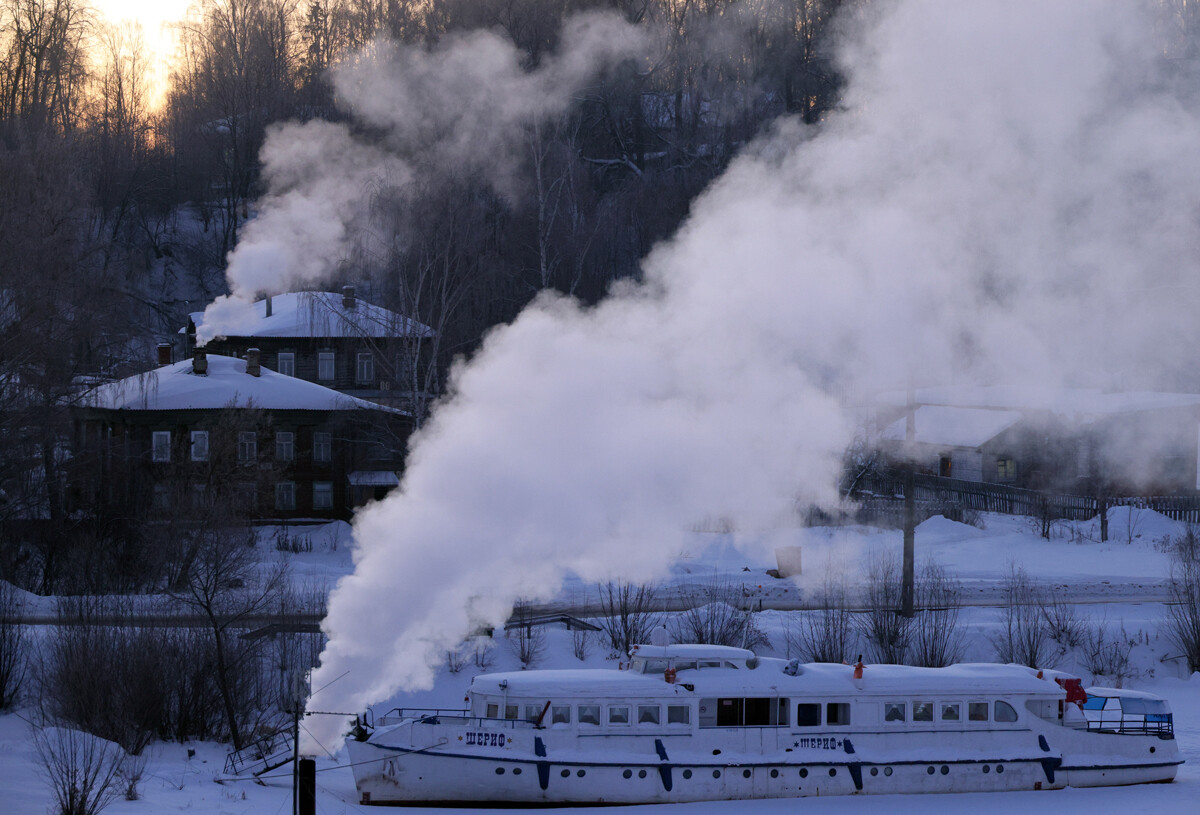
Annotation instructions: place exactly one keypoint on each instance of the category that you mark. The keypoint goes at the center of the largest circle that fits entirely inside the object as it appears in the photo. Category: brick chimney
(164, 353)
(200, 362)
(252, 366)
(268, 306)
(348, 300)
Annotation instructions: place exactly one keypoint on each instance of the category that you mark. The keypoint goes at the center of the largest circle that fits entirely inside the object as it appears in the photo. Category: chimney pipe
(164, 353)
(348, 297)
(200, 362)
(252, 365)
(268, 305)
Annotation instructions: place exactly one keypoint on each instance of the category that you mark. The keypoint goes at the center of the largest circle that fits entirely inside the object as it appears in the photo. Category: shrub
(1023, 636)
(886, 633)
(80, 768)
(629, 613)
(937, 637)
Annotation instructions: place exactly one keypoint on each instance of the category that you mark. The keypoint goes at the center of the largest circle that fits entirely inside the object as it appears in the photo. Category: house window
(1006, 469)
(199, 496)
(322, 495)
(160, 445)
(325, 365)
(944, 466)
(162, 497)
(199, 445)
(247, 446)
(246, 497)
(287, 363)
(285, 445)
(322, 447)
(364, 371)
(285, 495)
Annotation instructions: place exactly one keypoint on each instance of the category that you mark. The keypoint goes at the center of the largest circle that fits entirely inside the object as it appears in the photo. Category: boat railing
(430, 715)
(1158, 724)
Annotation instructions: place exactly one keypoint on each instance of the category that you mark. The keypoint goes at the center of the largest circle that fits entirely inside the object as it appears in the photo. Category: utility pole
(910, 508)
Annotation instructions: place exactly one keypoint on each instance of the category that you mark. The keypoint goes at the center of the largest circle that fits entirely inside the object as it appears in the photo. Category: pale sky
(154, 17)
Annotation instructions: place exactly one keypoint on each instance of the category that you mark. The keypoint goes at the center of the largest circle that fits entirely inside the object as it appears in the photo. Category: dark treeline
(117, 213)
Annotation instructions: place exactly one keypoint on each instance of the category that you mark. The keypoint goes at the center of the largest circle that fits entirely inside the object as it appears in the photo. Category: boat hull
(435, 773)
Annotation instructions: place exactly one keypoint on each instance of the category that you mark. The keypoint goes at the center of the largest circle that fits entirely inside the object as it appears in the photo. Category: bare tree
(1022, 637)
(527, 639)
(628, 614)
(937, 637)
(1184, 609)
(227, 585)
(714, 617)
(80, 768)
(826, 631)
(887, 633)
(14, 647)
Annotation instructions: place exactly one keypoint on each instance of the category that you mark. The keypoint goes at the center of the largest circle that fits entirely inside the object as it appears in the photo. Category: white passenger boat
(702, 722)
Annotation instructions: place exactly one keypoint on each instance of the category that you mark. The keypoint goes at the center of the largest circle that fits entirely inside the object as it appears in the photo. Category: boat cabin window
(893, 711)
(685, 665)
(922, 711)
(589, 714)
(654, 666)
(510, 711)
(950, 711)
(493, 711)
(1005, 712)
(679, 714)
(618, 714)
(808, 714)
(560, 714)
(747, 712)
(837, 713)
(977, 711)
(533, 713)
(648, 714)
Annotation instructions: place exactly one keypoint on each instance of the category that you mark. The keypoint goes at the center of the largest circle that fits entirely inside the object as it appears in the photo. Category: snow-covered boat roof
(954, 426)
(322, 314)
(226, 385)
(769, 679)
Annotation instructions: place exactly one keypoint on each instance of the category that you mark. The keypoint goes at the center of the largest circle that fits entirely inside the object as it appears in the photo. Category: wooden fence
(879, 498)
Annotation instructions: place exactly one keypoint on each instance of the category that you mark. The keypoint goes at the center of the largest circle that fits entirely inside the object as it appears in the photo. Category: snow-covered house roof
(225, 385)
(1077, 403)
(322, 314)
(953, 426)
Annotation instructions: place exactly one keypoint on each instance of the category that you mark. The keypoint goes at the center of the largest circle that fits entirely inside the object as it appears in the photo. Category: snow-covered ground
(1119, 583)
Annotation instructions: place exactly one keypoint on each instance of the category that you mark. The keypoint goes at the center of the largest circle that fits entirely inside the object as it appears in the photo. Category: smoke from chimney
(998, 201)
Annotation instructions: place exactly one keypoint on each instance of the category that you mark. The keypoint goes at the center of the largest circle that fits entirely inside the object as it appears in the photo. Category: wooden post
(910, 509)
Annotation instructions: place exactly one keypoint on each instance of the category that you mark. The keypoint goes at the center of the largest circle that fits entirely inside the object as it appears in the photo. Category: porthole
(641, 773)
(687, 773)
(716, 773)
(1151, 749)
(929, 770)
(516, 770)
(565, 773)
(499, 771)
(716, 752)
(745, 773)
(581, 773)
(874, 771)
(627, 774)
(887, 770)
(832, 772)
(986, 769)
(804, 772)
(999, 768)
(774, 773)
(945, 769)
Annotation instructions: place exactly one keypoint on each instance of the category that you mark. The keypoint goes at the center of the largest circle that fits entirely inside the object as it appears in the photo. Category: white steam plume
(464, 106)
(1010, 196)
